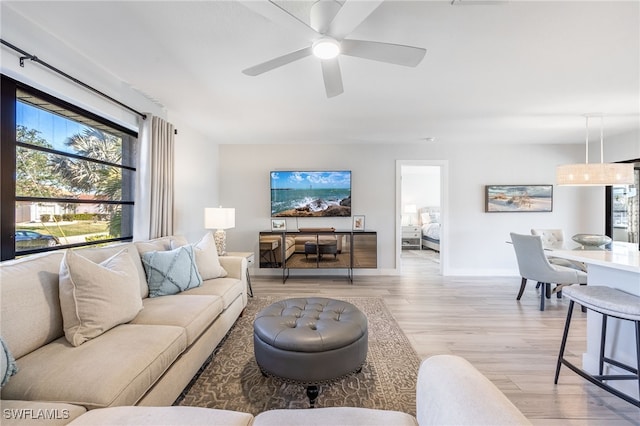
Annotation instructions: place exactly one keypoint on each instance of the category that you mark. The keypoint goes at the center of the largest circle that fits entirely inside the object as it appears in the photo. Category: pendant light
(595, 174)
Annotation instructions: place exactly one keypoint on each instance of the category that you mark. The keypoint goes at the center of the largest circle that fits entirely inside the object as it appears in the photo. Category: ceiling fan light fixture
(326, 48)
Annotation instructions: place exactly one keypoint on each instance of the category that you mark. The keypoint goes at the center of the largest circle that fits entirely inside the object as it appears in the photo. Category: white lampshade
(219, 218)
(595, 174)
(410, 209)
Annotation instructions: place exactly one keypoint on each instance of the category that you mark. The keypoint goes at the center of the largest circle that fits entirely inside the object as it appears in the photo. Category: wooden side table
(249, 255)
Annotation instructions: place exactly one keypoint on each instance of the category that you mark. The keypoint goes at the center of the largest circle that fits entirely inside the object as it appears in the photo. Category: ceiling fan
(329, 24)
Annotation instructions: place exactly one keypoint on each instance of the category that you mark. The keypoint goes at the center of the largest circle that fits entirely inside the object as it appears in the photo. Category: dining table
(615, 265)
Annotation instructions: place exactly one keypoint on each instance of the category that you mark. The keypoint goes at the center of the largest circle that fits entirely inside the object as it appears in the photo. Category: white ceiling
(503, 72)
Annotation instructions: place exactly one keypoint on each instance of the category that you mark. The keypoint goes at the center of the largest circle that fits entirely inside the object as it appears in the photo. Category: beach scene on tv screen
(321, 193)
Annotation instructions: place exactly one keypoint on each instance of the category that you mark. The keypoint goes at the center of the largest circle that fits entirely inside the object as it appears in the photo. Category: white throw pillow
(97, 297)
(206, 257)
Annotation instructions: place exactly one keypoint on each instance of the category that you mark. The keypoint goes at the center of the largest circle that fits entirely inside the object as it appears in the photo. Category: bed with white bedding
(430, 226)
(431, 236)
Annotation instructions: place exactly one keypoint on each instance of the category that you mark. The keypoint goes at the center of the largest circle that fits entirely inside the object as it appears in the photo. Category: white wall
(196, 181)
(476, 239)
(621, 147)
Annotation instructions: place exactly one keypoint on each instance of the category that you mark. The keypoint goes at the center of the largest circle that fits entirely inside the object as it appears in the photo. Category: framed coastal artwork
(518, 198)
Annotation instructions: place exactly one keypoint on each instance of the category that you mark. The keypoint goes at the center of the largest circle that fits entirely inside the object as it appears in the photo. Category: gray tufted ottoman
(310, 341)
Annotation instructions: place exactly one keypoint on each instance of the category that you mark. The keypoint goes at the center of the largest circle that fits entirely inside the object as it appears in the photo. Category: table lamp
(220, 219)
(410, 209)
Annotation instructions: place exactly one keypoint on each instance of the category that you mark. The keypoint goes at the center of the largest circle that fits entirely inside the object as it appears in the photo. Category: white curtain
(153, 209)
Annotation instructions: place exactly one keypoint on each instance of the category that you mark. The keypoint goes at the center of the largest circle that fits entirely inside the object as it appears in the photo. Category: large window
(68, 176)
(623, 209)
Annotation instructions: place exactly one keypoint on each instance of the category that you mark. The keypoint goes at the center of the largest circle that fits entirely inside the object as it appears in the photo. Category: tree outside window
(74, 176)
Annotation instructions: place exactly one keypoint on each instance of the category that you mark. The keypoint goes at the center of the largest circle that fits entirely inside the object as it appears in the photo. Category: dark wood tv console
(319, 249)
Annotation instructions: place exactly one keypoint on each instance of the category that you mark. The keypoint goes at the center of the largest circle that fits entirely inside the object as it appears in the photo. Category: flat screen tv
(310, 193)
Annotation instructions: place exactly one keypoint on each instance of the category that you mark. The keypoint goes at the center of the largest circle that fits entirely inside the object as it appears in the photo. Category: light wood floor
(512, 343)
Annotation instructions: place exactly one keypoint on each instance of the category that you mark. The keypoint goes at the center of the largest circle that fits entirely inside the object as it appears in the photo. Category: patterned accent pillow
(170, 272)
(8, 364)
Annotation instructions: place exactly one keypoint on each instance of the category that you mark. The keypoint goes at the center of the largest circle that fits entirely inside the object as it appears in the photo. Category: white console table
(619, 268)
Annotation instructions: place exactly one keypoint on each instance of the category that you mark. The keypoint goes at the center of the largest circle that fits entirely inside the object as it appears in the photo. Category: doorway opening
(421, 218)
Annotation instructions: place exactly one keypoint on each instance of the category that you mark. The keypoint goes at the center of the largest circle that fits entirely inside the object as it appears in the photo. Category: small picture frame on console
(278, 224)
(358, 223)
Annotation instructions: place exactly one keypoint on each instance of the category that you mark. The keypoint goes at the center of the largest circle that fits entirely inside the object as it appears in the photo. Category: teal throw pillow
(170, 272)
(9, 366)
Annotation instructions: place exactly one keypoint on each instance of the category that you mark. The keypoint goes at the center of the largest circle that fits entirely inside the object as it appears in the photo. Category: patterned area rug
(233, 381)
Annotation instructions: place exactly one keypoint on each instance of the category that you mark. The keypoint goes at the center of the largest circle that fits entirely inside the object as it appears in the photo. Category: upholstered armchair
(534, 265)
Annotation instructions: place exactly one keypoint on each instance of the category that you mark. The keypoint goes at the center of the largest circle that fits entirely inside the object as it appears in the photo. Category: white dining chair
(555, 238)
(534, 265)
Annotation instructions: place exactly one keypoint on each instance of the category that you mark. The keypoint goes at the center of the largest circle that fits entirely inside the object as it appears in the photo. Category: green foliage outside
(33, 176)
(70, 230)
(98, 237)
(69, 217)
(40, 174)
(84, 216)
(88, 177)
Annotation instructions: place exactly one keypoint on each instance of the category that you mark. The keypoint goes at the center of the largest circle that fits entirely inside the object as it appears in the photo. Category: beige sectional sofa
(146, 361)
(131, 373)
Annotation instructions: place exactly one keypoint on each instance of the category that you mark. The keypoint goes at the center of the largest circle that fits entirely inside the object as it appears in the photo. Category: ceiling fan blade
(280, 16)
(332, 77)
(278, 62)
(351, 14)
(398, 54)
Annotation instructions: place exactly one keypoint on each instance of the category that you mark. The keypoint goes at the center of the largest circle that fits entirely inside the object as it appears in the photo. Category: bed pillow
(425, 218)
(172, 271)
(7, 363)
(95, 297)
(206, 257)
